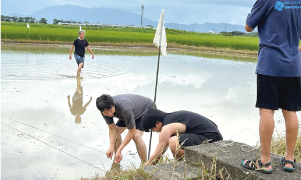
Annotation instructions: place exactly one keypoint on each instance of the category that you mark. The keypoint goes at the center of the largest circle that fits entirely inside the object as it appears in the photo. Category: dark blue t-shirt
(279, 29)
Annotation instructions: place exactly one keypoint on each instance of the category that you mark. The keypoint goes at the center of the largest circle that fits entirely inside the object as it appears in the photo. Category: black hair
(104, 102)
(150, 118)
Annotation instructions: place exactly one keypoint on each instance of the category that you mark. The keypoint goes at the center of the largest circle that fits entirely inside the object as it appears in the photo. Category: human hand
(90, 98)
(70, 57)
(110, 153)
(300, 48)
(68, 96)
(146, 164)
(118, 157)
(92, 56)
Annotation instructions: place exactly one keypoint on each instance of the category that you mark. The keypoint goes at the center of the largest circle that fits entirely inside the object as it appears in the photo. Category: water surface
(35, 84)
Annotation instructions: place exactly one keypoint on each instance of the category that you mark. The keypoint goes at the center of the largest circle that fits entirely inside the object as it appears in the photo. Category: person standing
(79, 54)
(278, 75)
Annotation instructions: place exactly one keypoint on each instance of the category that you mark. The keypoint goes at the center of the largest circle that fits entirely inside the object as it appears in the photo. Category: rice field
(124, 35)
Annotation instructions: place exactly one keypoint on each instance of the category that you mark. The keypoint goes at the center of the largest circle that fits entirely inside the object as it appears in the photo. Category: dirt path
(142, 47)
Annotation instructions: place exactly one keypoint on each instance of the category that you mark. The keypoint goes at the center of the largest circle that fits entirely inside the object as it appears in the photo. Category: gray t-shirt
(128, 108)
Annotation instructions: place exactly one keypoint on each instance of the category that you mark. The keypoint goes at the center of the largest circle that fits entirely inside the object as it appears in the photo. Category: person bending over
(129, 109)
(192, 128)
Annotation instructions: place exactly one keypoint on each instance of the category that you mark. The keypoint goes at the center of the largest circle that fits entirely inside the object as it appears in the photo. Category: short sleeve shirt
(195, 123)
(80, 46)
(279, 29)
(128, 108)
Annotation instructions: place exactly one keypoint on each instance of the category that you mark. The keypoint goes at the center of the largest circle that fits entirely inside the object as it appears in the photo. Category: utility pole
(225, 27)
(142, 11)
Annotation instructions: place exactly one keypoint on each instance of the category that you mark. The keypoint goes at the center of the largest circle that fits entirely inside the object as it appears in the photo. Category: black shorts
(186, 140)
(278, 92)
(138, 121)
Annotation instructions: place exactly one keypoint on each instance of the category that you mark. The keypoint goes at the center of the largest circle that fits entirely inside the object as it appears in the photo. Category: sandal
(284, 162)
(251, 164)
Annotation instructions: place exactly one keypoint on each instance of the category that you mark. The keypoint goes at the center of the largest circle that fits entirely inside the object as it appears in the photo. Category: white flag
(161, 35)
(28, 26)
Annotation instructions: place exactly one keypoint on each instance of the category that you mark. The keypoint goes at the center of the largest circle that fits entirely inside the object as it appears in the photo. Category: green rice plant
(123, 35)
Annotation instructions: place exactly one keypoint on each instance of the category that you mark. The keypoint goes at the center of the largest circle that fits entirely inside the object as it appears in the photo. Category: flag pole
(151, 133)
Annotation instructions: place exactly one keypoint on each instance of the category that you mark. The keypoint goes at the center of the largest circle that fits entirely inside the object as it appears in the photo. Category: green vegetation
(53, 32)
(205, 173)
(208, 173)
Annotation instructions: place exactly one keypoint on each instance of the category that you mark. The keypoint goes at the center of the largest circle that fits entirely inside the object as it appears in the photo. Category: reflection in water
(221, 90)
(77, 107)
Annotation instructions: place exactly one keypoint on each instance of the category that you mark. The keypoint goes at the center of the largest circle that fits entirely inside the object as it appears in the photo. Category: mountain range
(117, 16)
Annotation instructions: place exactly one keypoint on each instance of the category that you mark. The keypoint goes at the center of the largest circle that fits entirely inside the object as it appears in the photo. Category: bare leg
(140, 145)
(175, 148)
(118, 139)
(266, 129)
(79, 69)
(291, 123)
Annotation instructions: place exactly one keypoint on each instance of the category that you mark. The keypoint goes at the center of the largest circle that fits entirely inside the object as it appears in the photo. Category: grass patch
(130, 173)
(279, 146)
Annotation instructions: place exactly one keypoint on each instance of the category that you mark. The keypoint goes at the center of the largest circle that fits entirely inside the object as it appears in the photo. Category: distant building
(103, 25)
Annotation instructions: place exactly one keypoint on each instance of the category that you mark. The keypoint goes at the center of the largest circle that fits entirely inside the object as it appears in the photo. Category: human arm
(71, 50)
(160, 149)
(130, 122)
(87, 104)
(126, 140)
(112, 135)
(248, 28)
(166, 132)
(69, 104)
(89, 49)
(259, 11)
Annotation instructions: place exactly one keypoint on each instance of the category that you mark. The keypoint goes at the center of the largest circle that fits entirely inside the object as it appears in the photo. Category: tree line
(22, 19)
(33, 20)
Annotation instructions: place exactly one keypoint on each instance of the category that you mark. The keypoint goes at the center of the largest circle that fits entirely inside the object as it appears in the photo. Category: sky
(177, 11)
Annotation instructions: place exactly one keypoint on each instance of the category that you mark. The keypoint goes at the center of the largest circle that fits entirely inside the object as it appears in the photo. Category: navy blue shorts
(278, 92)
(79, 59)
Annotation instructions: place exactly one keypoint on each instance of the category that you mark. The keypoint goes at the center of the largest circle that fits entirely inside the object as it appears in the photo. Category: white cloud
(185, 12)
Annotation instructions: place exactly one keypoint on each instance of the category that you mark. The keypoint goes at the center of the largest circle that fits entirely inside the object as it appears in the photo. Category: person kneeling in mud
(192, 129)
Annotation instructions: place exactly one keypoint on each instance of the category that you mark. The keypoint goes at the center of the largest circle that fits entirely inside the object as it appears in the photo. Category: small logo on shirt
(279, 6)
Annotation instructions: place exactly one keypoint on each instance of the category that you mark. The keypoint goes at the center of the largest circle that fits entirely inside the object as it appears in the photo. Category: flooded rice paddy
(42, 137)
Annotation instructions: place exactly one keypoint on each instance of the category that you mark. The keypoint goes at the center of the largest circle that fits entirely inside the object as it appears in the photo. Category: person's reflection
(77, 107)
